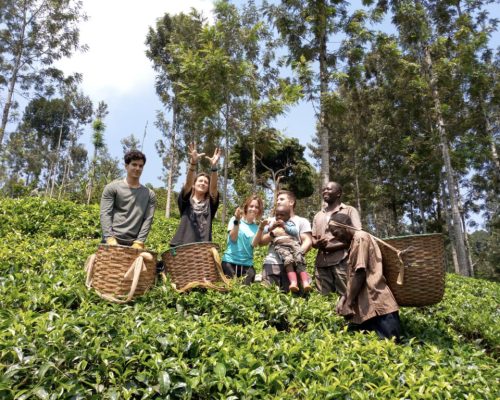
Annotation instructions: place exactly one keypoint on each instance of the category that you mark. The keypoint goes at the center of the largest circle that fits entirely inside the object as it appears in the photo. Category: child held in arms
(286, 241)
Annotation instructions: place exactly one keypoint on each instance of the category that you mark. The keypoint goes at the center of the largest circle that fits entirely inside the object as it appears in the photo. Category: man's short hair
(291, 196)
(337, 186)
(341, 218)
(134, 155)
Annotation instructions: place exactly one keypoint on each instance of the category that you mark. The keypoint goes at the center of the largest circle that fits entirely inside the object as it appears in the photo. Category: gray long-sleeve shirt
(127, 213)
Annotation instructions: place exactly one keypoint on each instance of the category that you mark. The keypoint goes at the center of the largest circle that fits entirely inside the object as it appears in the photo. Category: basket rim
(188, 244)
(127, 247)
(413, 236)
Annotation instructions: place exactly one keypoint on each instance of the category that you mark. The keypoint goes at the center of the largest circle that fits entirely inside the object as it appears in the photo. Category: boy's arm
(106, 211)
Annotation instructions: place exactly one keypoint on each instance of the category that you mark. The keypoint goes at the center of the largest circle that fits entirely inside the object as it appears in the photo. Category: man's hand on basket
(138, 244)
(111, 241)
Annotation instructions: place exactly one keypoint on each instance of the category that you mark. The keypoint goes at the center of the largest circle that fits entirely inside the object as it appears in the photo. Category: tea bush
(59, 340)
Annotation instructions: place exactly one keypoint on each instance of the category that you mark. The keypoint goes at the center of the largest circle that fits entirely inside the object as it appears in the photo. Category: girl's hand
(238, 213)
(263, 223)
(215, 158)
(193, 153)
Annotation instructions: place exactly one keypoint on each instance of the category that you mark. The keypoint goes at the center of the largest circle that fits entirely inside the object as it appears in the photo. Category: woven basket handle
(133, 272)
(209, 285)
(401, 273)
(89, 269)
(218, 266)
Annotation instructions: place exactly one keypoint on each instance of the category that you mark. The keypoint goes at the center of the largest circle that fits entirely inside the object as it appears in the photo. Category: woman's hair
(341, 218)
(259, 201)
(199, 175)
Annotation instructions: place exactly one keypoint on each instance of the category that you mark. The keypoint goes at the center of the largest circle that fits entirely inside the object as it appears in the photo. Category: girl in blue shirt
(242, 228)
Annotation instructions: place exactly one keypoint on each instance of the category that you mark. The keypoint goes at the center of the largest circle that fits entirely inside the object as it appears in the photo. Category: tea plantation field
(58, 340)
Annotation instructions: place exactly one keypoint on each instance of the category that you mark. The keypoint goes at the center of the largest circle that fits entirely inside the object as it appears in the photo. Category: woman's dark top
(196, 220)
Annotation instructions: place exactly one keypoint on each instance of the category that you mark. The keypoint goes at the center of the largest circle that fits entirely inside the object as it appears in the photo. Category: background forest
(407, 117)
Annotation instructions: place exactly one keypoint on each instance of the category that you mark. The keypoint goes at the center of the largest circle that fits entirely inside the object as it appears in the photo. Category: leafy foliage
(58, 340)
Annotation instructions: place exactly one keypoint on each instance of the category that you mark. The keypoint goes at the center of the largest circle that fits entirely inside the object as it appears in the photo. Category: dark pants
(332, 278)
(386, 326)
(232, 270)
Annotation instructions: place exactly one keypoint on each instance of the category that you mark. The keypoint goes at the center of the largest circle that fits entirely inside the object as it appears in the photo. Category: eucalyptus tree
(98, 128)
(268, 92)
(169, 155)
(444, 37)
(171, 36)
(78, 111)
(308, 26)
(129, 143)
(44, 128)
(215, 85)
(33, 35)
(75, 157)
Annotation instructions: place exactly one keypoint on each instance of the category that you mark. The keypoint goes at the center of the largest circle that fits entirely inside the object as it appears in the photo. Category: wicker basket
(195, 265)
(416, 273)
(120, 273)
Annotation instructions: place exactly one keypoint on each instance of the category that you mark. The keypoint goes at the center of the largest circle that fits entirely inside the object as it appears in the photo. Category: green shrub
(59, 340)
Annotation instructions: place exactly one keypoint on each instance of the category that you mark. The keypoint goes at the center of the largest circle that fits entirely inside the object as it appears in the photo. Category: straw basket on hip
(195, 265)
(120, 273)
(414, 268)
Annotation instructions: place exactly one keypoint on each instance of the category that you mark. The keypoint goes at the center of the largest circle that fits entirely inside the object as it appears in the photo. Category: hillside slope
(58, 340)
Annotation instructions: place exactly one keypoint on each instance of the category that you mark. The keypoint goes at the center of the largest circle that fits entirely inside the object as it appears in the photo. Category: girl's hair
(199, 175)
(259, 201)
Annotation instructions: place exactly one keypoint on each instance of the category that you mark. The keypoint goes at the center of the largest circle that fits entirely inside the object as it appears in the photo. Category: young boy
(286, 242)
(127, 207)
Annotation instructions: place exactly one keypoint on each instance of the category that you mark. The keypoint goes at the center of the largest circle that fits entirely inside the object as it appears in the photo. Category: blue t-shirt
(241, 251)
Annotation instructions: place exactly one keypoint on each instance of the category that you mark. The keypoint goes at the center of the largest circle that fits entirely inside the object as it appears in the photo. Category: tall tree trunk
(254, 169)
(226, 156)
(62, 189)
(56, 162)
(449, 226)
(12, 83)
(356, 183)
(421, 208)
(323, 77)
(91, 178)
(173, 163)
(493, 147)
(173, 159)
(253, 135)
(459, 234)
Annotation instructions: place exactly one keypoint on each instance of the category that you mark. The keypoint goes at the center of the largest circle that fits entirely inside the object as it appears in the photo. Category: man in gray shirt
(127, 207)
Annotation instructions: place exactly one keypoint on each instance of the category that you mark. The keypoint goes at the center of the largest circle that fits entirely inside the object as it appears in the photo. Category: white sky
(116, 70)
(115, 33)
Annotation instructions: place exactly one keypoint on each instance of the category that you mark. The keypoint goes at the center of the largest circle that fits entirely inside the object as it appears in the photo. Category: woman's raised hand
(193, 153)
(263, 223)
(215, 158)
(238, 214)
